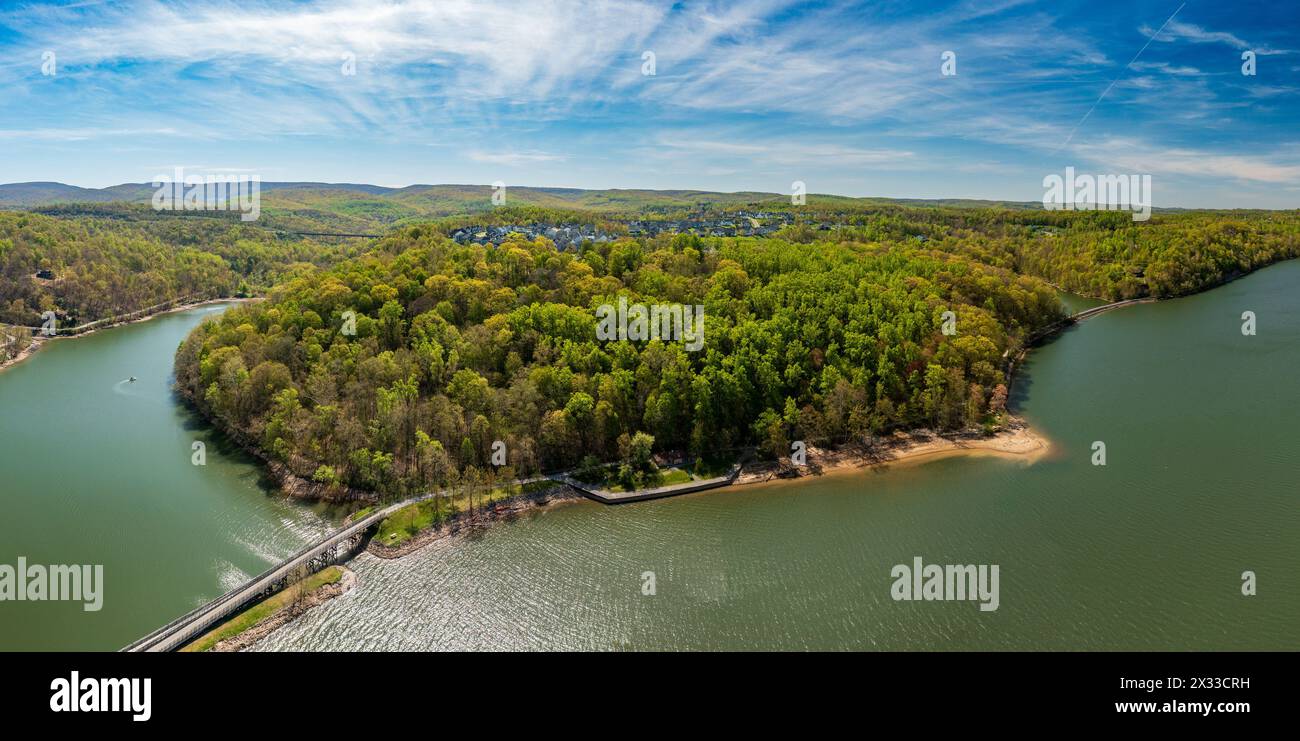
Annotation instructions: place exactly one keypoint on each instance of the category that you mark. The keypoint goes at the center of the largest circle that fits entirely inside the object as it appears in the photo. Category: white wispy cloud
(485, 48)
(1180, 31)
(787, 153)
(514, 159)
(1132, 155)
(449, 61)
(1166, 68)
(73, 135)
(1176, 30)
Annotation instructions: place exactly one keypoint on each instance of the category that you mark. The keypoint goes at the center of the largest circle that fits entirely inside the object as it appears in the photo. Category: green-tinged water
(1074, 303)
(95, 469)
(1146, 552)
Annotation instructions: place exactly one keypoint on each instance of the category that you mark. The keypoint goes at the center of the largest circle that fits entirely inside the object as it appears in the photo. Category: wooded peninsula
(402, 363)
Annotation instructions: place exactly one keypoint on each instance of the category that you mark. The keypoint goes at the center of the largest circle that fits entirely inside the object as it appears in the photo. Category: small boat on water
(131, 379)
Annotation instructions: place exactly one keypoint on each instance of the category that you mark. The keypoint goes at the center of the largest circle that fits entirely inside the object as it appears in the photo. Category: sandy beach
(1016, 441)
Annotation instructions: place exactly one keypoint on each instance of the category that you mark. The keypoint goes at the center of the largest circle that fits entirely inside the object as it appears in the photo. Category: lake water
(95, 469)
(1146, 552)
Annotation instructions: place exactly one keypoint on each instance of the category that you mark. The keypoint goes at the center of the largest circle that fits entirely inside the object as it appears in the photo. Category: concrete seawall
(612, 497)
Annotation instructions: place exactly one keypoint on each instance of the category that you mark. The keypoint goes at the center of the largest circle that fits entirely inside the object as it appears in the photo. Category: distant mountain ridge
(45, 193)
(375, 209)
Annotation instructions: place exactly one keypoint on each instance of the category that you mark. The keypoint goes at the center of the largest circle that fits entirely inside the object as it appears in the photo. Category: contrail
(1121, 74)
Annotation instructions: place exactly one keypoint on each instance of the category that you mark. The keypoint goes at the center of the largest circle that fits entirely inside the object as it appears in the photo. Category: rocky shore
(288, 614)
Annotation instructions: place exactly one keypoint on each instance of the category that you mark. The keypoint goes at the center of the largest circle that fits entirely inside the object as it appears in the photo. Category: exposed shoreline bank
(467, 524)
(1017, 442)
(26, 352)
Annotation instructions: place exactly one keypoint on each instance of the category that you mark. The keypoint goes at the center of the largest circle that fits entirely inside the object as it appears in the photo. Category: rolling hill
(362, 207)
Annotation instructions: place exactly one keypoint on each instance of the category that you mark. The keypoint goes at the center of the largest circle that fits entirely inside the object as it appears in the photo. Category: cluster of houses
(737, 224)
(562, 236)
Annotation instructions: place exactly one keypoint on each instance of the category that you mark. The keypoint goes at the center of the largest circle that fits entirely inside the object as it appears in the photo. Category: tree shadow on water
(221, 444)
(1023, 380)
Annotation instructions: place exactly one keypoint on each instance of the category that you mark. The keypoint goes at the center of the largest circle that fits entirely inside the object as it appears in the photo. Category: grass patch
(262, 610)
(513, 490)
(406, 522)
(662, 477)
(410, 520)
(673, 476)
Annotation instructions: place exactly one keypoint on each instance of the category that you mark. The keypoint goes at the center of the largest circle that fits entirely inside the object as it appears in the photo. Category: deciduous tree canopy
(467, 344)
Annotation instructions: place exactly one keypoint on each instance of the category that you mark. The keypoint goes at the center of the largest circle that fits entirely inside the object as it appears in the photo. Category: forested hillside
(458, 346)
(1103, 254)
(1096, 253)
(85, 269)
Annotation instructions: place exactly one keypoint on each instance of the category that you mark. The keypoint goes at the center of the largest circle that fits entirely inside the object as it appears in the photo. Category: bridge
(328, 550)
(329, 234)
(338, 545)
(1081, 315)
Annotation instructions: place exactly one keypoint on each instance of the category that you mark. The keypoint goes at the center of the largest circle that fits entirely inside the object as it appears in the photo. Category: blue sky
(846, 97)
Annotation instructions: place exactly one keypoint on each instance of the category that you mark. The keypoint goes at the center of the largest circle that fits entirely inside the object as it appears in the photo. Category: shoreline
(289, 484)
(283, 616)
(39, 341)
(464, 525)
(26, 353)
(1016, 442)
